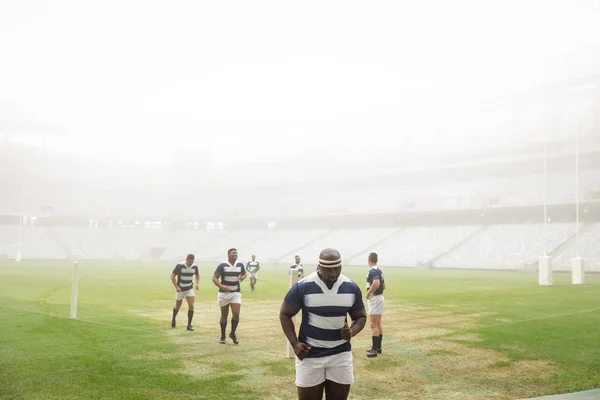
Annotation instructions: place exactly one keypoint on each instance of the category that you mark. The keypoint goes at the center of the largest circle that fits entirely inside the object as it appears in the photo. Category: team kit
(326, 297)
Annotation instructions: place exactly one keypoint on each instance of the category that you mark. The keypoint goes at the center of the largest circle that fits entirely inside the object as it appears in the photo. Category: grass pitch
(447, 335)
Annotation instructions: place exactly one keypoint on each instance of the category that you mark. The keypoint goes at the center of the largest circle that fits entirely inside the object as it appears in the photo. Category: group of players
(326, 297)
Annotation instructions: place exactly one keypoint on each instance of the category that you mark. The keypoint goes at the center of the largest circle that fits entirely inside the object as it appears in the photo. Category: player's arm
(358, 313)
(359, 319)
(374, 286)
(218, 284)
(174, 280)
(243, 274)
(197, 279)
(286, 313)
(257, 266)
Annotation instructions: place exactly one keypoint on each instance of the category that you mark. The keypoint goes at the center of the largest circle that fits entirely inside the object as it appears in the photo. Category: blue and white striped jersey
(230, 275)
(375, 274)
(324, 312)
(184, 275)
(252, 266)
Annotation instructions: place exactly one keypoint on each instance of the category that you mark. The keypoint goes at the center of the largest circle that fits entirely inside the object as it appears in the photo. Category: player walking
(252, 268)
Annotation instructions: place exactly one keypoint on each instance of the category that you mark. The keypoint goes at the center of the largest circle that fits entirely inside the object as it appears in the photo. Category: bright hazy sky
(274, 79)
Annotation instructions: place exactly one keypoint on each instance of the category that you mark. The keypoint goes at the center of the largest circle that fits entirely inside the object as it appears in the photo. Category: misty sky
(274, 79)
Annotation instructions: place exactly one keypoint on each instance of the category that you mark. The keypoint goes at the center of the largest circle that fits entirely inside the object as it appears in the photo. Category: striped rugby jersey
(324, 312)
(185, 275)
(252, 266)
(375, 274)
(230, 275)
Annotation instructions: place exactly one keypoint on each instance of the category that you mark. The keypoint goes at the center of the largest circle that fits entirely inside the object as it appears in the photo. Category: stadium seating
(504, 246)
(510, 246)
(416, 246)
(348, 241)
(589, 249)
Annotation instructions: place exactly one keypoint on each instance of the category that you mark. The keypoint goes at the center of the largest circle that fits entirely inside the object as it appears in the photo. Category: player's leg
(381, 326)
(235, 319)
(223, 321)
(190, 301)
(374, 322)
(176, 309)
(311, 393)
(380, 335)
(310, 378)
(339, 375)
(336, 391)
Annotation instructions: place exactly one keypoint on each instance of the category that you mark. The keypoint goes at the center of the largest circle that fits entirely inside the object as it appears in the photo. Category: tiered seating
(224, 240)
(279, 242)
(85, 243)
(589, 249)
(506, 246)
(36, 243)
(348, 241)
(181, 242)
(417, 245)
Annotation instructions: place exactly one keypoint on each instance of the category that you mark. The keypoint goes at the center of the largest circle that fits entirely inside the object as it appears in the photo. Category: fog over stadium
(271, 81)
(111, 111)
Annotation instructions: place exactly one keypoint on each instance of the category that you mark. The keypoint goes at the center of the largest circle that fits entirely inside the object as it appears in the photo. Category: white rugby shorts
(375, 304)
(337, 368)
(186, 293)
(226, 298)
(253, 275)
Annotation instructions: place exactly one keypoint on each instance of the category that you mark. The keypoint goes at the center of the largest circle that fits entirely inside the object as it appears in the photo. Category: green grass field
(448, 334)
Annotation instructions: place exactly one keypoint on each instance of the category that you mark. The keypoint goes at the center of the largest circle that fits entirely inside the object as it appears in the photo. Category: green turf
(121, 347)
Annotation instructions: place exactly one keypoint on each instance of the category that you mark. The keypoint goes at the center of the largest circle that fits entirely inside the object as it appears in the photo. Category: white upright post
(74, 290)
(545, 271)
(545, 263)
(292, 280)
(577, 273)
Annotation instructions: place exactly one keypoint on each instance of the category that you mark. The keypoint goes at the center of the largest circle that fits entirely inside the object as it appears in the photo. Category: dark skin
(333, 390)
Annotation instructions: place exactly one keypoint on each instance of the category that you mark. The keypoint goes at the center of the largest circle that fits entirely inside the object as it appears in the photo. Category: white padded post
(545, 271)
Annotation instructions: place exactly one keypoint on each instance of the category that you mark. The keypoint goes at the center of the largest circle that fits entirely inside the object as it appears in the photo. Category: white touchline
(86, 321)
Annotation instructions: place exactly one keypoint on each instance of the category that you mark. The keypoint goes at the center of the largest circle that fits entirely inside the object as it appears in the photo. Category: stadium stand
(589, 249)
(417, 246)
(510, 246)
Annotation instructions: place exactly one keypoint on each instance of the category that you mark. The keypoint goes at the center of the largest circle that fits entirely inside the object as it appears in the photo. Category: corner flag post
(293, 279)
(74, 290)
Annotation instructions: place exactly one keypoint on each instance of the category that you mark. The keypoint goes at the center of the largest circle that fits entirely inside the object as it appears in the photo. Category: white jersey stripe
(329, 300)
(231, 269)
(321, 322)
(327, 344)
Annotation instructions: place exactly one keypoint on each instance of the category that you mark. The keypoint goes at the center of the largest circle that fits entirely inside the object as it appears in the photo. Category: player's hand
(226, 288)
(301, 350)
(178, 288)
(346, 332)
(368, 296)
(197, 287)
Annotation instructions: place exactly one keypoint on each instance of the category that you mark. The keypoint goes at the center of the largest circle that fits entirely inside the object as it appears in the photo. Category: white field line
(534, 319)
(128, 328)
